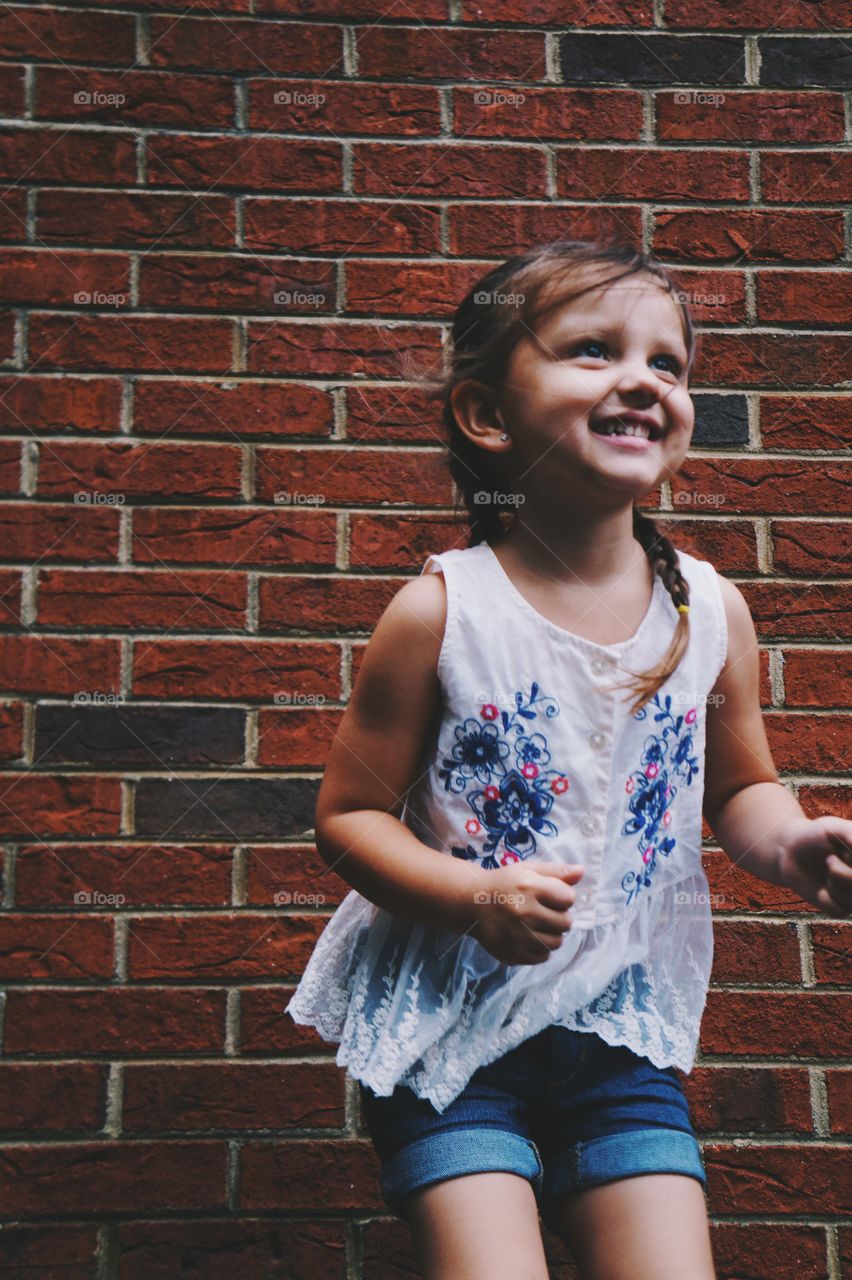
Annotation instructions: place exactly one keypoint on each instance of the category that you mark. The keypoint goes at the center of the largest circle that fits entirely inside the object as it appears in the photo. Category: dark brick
(720, 420)
(801, 60)
(142, 737)
(653, 59)
(277, 808)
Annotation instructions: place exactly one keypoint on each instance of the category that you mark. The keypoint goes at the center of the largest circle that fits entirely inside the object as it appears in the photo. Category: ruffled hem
(426, 1008)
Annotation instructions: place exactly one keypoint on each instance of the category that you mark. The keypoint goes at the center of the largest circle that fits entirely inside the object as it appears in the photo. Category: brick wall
(226, 229)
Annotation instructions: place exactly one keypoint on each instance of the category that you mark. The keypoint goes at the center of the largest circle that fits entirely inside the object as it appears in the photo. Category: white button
(590, 825)
(583, 895)
(598, 665)
(597, 739)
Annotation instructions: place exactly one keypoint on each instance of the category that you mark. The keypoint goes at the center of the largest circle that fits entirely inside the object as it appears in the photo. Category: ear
(475, 410)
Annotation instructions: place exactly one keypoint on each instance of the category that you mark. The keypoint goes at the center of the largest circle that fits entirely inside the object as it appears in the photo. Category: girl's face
(615, 350)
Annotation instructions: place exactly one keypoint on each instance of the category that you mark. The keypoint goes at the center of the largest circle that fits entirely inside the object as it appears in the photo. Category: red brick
(232, 410)
(784, 1024)
(144, 98)
(333, 107)
(831, 943)
(51, 1096)
(803, 422)
(337, 475)
(159, 344)
(804, 177)
(150, 600)
(11, 730)
(646, 173)
(141, 471)
(386, 168)
(354, 349)
(241, 1096)
(446, 54)
(838, 1084)
(46, 532)
(768, 484)
(235, 283)
(241, 669)
(65, 403)
(749, 235)
(48, 805)
(719, 14)
(149, 1021)
(749, 116)
(235, 537)
(56, 947)
(134, 218)
(804, 297)
(297, 739)
(86, 156)
(244, 44)
(57, 665)
(812, 1179)
(298, 872)
(561, 114)
(753, 951)
(126, 1178)
(254, 163)
(817, 678)
(235, 946)
(144, 875)
(304, 1176)
(68, 35)
(335, 226)
(65, 277)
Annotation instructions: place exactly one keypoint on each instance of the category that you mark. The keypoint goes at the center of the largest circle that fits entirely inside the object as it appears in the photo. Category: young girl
(515, 795)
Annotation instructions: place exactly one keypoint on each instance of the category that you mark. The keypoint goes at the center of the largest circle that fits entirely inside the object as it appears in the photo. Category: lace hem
(421, 1007)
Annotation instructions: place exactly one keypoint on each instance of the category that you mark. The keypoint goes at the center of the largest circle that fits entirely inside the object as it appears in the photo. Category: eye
(675, 364)
(584, 346)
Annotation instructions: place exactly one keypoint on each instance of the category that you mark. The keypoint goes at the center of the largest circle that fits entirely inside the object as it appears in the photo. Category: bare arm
(751, 813)
(377, 755)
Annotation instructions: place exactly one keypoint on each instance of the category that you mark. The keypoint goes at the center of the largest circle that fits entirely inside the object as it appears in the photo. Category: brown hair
(500, 308)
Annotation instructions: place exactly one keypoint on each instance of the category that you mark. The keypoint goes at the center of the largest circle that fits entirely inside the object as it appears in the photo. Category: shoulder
(742, 637)
(400, 661)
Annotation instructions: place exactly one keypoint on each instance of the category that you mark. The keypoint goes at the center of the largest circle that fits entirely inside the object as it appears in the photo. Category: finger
(839, 874)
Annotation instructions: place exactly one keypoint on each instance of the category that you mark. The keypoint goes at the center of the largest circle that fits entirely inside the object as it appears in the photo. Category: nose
(637, 375)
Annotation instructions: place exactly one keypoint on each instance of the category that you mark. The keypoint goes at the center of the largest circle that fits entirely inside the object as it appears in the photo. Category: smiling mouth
(627, 427)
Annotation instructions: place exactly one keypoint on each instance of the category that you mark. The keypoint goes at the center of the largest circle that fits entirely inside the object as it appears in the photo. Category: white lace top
(535, 758)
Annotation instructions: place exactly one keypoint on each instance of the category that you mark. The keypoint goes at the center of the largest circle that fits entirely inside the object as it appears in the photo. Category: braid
(473, 476)
(664, 561)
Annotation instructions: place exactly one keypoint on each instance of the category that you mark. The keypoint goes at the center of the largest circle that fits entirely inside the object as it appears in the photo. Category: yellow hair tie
(683, 608)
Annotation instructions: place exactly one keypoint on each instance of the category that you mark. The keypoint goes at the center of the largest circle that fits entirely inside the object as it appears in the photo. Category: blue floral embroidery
(666, 757)
(516, 791)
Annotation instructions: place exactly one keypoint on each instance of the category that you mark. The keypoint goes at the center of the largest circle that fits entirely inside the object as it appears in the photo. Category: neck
(595, 548)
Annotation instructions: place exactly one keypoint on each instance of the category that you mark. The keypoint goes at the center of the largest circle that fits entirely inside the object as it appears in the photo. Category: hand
(810, 865)
(522, 910)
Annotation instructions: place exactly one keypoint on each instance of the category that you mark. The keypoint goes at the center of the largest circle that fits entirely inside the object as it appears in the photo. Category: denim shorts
(563, 1109)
